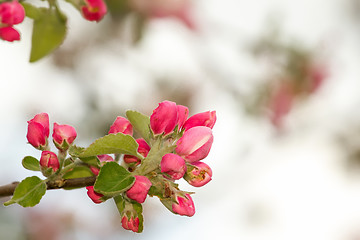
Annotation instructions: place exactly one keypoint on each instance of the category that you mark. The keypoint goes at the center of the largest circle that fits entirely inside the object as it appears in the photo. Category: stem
(8, 190)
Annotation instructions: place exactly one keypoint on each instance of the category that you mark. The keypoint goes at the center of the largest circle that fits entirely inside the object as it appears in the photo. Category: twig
(8, 190)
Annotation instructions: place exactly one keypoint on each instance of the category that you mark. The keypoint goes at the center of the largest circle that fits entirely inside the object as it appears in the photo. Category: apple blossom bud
(49, 160)
(139, 190)
(11, 13)
(38, 130)
(9, 34)
(102, 158)
(206, 119)
(143, 149)
(94, 10)
(130, 224)
(195, 144)
(182, 113)
(164, 118)
(185, 206)
(173, 165)
(94, 196)
(199, 174)
(121, 125)
(63, 136)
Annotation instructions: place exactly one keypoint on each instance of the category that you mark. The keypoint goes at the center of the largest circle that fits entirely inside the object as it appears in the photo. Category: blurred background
(283, 77)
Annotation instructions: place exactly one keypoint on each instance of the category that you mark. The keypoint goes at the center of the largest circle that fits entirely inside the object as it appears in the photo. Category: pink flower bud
(198, 175)
(121, 125)
(143, 149)
(38, 130)
(182, 113)
(130, 224)
(164, 118)
(94, 10)
(139, 190)
(195, 144)
(94, 196)
(185, 206)
(102, 158)
(11, 13)
(173, 165)
(9, 34)
(63, 136)
(206, 119)
(49, 160)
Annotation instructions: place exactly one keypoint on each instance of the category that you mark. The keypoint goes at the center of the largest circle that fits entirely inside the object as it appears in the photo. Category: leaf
(113, 179)
(48, 33)
(112, 143)
(31, 11)
(141, 123)
(29, 192)
(75, 152)
(123, 204)
(31, 163)
(78, 172)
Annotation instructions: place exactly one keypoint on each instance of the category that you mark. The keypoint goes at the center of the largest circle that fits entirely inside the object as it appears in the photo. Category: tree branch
(8, 190)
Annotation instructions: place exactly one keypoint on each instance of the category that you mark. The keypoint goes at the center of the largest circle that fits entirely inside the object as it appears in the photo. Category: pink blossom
(139, 190)
(182, 113)
(130, 224)
(206, 119)
(173, 165)
(164, 118)
(49, 160)
(199, 175)
(195, 144)
(94, 10)
(143, 149)
(63, 136)
(121, 125)
(94, 196)
(185, 206)
(11, 13)
(38, 130)
(9, 34)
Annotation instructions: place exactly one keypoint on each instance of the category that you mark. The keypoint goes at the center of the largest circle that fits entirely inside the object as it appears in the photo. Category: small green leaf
(141, 124)
(113, 179)
(78, 172)
(31, 163)
(112, 143)
(29, 192)
(75, 151)
(48, 33)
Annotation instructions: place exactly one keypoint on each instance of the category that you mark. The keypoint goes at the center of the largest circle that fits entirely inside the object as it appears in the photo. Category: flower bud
(11, 13)
(94, 196)
(130, 224)
(38, 130)
(139, 190)
(143, 149)
(164, 118)
(121, 125)
(49, 160)
(206, 119)
(195, 144)
(173, 165)
(94, 10)
(185, 206)
(102, 158)
(63, 136)
(9, 34)
(198, 174)
(182, 113)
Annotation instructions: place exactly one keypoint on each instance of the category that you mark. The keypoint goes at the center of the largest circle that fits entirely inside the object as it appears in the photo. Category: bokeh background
(283, 77)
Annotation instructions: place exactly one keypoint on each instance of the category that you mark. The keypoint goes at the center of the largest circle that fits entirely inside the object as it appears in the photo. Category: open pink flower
(185, 206)
(164, 118)
(139, 190)
(94, 10)
(38, 130)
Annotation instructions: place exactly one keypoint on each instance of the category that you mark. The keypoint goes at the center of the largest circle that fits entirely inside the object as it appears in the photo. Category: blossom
(139, 190)
(11, 13)
(9, 34)
(164, 118)
(185, 206)
(182, 114)
(173, 165)
(206, 119)
(198, 174)
(121, 125)
(38, 130)
(63, 136)
(143, 149)
(94, 196)
(94, 10)
(130, 223)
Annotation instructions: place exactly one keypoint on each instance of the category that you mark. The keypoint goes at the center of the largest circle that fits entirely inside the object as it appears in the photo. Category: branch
(8, 190)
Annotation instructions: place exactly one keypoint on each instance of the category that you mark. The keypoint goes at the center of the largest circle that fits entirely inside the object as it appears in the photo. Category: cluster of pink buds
(11, 13)
(38, 134)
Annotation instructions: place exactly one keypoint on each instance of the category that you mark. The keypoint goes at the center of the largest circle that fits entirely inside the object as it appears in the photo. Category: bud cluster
(11, 13)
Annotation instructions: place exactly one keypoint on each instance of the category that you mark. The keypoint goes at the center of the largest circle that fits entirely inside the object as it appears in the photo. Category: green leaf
(112, 143)
(75, 152)
(31, 11)
(130, 207)
(113, 179)
(78, 172)
(29, 192)
(141, 124)
(48, 33)
(31, 163)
